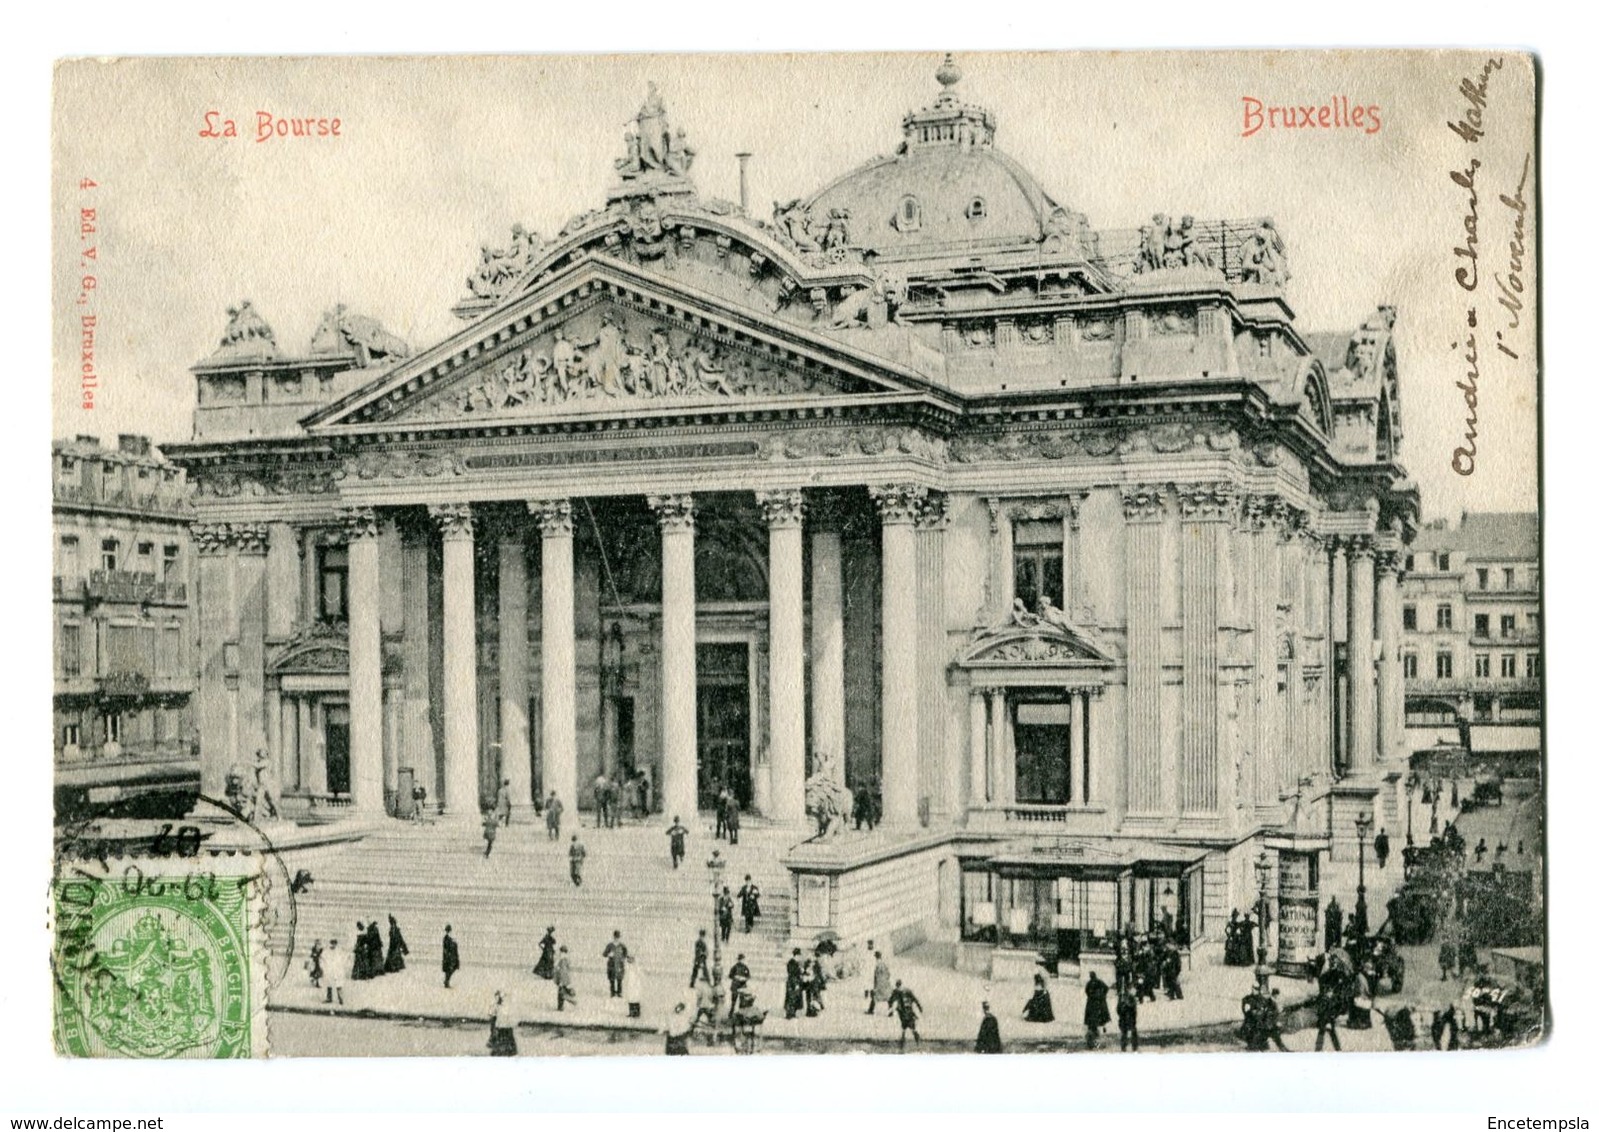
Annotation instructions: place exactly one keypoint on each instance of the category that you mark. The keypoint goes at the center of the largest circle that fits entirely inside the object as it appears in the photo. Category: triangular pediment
(1031, 646)
(605, 338)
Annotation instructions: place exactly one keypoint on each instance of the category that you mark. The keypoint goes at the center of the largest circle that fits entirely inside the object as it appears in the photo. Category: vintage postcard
(731, 554)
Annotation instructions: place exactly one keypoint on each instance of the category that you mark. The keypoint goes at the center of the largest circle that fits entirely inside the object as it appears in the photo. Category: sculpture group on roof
(652, 147)
(341, 332)
(500, 268)
(1163, 246)
(246, 327)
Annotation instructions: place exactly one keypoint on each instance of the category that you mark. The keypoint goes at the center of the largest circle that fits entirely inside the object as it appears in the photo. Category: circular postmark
(168, 936)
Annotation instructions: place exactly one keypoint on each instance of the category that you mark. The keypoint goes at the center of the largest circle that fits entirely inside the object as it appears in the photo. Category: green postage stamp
(155, 960)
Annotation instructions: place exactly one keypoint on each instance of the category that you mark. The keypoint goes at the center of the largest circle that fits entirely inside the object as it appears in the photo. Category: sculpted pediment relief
(609, 354)
(1036, 642)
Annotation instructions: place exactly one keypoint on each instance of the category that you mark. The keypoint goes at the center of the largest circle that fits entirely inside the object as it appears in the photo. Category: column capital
(250, 538)
(1212, 502)
(898, 503)
(784, 507)
(359, 522)
(454, 519)
(934, 511)
(673, 512)
(553, 516)
(996, 508)
(1357, 546)
(1144, 503)
(211, 539)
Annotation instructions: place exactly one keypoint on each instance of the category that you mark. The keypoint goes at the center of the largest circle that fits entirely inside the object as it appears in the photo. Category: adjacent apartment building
(124, 675)
(1473, 629)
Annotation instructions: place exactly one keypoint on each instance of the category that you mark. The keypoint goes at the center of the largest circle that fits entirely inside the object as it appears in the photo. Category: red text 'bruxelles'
(1337, 113)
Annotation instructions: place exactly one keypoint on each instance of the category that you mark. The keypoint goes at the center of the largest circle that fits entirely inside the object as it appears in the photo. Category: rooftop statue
(342, 332)
(245, 329)
(500, 268)
(652, 146)
(1164, 246)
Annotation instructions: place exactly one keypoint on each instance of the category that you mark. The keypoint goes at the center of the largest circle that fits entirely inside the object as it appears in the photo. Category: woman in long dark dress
(1039, 1008)
(545, 968)
(374, 950)
(1096, 1007)
(397, 949)
(360, 958)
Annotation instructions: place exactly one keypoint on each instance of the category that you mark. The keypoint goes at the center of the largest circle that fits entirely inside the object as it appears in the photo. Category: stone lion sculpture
(827, 799)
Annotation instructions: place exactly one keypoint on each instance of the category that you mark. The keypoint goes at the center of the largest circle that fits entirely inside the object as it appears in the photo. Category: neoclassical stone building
(1068, 541)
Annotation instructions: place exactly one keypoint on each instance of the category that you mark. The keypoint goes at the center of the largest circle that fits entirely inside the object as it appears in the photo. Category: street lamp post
(715, 866)
(1262, 972)
(1410, 807)
(1363, 825)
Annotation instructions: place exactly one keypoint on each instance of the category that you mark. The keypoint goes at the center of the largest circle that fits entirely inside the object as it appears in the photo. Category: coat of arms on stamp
(156, 966)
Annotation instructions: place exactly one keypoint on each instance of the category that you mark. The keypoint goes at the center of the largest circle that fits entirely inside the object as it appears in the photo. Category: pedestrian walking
(794, 986)
(722, 798)
(1172, 969)
(732, 820)
(1127, 1017)
(452, 956)
(575, 855)
(602, 801)
(882, 985)
(1380, 844)
(313, 964)
(1329, 1007)
(988, 1033)
(1039, 1008)
(337, 970)
(615, 954)
(397, 949)
(1096, 1008)
(701, 961)
(564, 992)
(491, 826)
(738, 977)
(502, 803)
(552, 816)
(905, 1004)
(724, 913)
(545, 967)
(1446, 958)
(678, 832)
(360, 969)
(502, 1027)
(749, 897)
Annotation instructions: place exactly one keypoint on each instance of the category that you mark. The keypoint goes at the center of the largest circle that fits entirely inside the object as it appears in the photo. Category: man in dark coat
(722, 797)
(1380, 845)
(701, 960)
(575, 856)
(552, 816)
(738, 977)
(794, 986)
(545, 967)
(1334, 923)
(452, 956)
(1127, 1017)
(1096, 1007)
(1330, 999)
(732, 820)
(678, 832)
(1039, 1008)
(988, 1033)
(907, 1006)
(397, 949)
(615, 963)
(491, 826)
(1172, 969)
(724, 913)
(749, 900)
(502, 803)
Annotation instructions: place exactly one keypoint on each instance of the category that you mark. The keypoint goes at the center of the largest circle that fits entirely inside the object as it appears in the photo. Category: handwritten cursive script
(1471, 126)
(1464, 461)
(1510, 284)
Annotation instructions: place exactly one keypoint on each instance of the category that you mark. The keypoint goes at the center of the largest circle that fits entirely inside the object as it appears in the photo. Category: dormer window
(909, 216)
(977, 209)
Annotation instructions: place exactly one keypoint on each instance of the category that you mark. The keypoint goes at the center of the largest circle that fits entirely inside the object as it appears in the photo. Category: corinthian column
(679, 738)
(1362, 672)
(785, 511)
(1390, 680)
(515, 763)
(827, 645)
(461, 800)
(366, 663)
(558, 644)
(898, 505)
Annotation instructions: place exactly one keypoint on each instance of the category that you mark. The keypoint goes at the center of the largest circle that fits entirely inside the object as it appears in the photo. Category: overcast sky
(439, 156)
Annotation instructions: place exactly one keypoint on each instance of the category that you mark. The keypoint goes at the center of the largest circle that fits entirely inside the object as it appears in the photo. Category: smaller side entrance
(336, 745)
(723, 697)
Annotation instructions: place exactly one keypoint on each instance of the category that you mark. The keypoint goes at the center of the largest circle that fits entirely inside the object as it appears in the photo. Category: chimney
(743, 180)
(133, 444)
(85, 438)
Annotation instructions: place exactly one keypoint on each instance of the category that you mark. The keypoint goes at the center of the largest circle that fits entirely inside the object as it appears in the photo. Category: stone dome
(946, 189)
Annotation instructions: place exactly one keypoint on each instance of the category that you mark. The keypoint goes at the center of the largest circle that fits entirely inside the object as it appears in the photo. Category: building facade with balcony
(1070, 544)
(1473, 636)
(124, 632)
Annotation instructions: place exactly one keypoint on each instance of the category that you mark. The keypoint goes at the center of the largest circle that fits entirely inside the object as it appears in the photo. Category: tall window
(169, 563)
(1409, 616)
(70, 563)
(1481, 666)
(1482, 577)
(1510, 577)
(1410, 666)
(113, 728)
(1507, 625)
(1534, 666)
(1037, 560)
(1443, 562)
(1507, 666)
(108, 554)
(1410, 563)
(1446, 617)
(1479, 625)
(146, 564)
(71, 649)
(71, 734)
(333, 580)
(1445, 665)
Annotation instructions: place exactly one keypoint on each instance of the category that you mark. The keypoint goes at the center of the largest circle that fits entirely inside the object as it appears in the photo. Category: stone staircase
(431, 875)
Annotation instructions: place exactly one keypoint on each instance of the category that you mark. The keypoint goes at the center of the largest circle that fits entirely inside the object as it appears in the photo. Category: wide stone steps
(499, 907)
